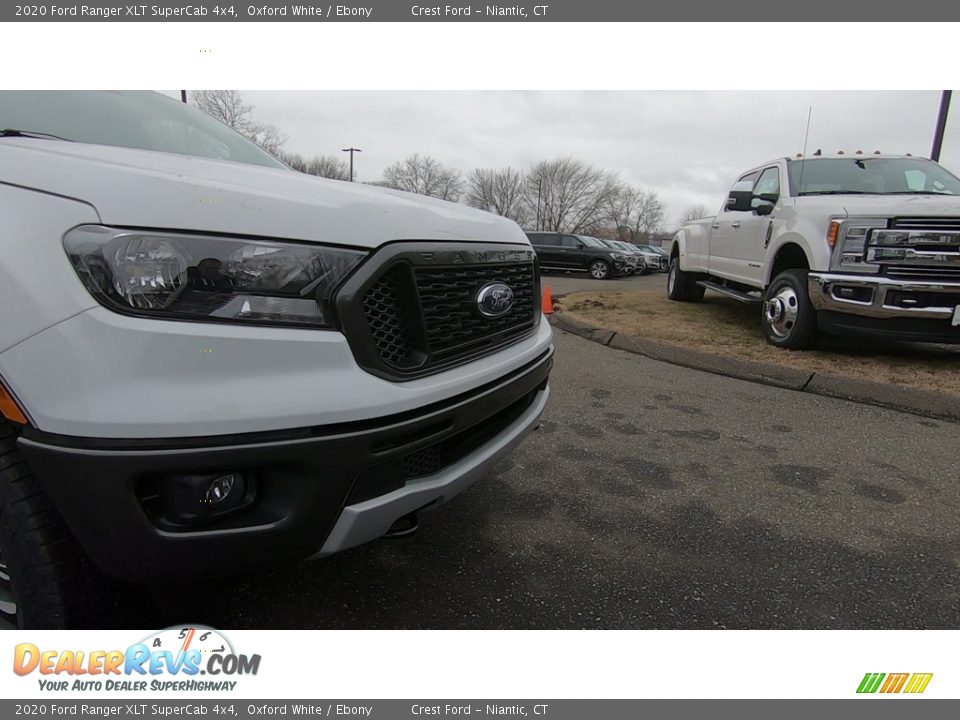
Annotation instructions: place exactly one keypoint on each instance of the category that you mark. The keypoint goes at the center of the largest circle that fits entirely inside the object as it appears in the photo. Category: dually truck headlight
(181, 276)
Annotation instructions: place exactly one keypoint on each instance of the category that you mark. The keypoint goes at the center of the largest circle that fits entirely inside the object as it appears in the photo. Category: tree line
(561, 195)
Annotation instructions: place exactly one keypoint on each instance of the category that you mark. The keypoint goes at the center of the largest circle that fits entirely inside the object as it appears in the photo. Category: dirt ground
(726, 327)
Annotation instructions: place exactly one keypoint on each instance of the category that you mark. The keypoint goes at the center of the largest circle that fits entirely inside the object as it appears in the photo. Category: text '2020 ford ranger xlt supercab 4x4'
(847, 244)
(209, 361)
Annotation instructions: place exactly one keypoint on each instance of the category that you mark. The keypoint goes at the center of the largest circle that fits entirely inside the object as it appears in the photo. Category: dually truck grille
(413, 311)
(926, 223)
(918, 248)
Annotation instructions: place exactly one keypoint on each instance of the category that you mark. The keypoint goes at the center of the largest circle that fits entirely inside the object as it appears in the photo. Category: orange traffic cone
(546, 305)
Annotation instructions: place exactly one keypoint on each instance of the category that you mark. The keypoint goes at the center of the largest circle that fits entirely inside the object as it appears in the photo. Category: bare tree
(573, 195)
(326, 166)
(500, 191)
(228, 107)
(634, 212)
(424, 175)
(694, 212)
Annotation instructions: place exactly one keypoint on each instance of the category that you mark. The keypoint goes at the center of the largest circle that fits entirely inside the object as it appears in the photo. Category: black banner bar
(232, 709)
(859, 11)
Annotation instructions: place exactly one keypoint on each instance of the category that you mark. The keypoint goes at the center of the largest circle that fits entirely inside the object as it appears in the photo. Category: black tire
(600, 270)
(681, 285)
(789, 318)
(46, 581)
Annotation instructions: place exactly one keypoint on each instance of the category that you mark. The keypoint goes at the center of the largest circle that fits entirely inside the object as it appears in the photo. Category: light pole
(539, 188)
(941, 125)
(351, 150)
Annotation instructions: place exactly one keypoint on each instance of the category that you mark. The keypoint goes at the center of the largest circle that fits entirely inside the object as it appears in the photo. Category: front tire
(682, 286)
(789, 318)
(600, 270)
(46, 581)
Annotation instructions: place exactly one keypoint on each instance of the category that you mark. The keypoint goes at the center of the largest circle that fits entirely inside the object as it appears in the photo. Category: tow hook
(404, 527)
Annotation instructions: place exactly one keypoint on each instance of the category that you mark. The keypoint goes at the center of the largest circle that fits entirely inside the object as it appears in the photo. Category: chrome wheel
(599, 270)
(672, 279)
(8, 600)
(781, 311)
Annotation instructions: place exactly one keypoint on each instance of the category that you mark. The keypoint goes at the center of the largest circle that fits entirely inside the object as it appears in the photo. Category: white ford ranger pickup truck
(210, 362)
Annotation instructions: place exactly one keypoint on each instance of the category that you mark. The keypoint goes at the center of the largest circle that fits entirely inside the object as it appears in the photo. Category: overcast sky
(688, 146)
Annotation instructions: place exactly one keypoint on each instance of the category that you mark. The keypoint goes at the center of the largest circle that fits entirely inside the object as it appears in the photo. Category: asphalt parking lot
(656, 496)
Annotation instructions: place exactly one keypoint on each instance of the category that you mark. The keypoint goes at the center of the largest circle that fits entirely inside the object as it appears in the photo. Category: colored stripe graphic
(870, 682)
(894, 683)
(918, 682)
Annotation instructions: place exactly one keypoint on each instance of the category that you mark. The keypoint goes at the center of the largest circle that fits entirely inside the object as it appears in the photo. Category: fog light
(221, 487)
(194, 500)
(856, 294)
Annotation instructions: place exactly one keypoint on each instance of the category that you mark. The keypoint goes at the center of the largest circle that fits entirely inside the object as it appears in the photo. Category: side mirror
(740, 200)
(763, 203)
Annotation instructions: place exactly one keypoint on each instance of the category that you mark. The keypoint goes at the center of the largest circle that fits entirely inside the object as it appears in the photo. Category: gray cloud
(685, 145)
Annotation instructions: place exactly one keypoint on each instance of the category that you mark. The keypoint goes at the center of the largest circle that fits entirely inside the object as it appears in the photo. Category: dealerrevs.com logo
(171, 659)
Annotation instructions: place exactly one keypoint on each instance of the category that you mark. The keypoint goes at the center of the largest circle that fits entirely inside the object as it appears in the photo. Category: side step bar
(737, 295)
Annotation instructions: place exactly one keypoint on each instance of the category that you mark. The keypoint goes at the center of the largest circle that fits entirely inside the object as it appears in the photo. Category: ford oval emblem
(495, 299)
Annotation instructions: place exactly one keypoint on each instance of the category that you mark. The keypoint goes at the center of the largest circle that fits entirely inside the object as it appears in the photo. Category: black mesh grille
(448, 301)
(421, 463)
(386, 319)
(423, 318)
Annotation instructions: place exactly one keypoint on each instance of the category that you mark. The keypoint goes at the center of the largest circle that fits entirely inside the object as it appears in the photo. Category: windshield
(625, 246)
(873, 176)
(141, 120)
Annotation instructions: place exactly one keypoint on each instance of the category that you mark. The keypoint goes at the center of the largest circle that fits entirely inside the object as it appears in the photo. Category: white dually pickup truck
(865, 244)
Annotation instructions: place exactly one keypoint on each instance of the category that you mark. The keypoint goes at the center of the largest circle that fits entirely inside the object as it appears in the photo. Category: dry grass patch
(725, 327)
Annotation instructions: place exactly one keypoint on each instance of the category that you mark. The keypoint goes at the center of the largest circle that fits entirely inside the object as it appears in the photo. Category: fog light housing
(192, 500)
(853, 293)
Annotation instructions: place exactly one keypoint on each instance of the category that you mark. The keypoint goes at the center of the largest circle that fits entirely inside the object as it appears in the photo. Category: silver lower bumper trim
(372, 518)
(823, 289)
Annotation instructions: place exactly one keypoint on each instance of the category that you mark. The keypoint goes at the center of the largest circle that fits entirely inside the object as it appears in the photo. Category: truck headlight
(182, 276)
(850, 240)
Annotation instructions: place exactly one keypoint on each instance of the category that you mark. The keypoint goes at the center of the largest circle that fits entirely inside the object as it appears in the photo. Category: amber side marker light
(832, 233)
(9, 408)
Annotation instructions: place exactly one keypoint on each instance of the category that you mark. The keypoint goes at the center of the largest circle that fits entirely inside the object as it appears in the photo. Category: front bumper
(313, 491)
(918, 310)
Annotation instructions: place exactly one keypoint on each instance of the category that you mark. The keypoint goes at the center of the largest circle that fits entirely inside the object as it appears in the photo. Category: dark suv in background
(579, 253)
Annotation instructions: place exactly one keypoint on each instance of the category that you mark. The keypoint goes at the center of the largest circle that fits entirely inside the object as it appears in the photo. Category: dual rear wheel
(788, 317)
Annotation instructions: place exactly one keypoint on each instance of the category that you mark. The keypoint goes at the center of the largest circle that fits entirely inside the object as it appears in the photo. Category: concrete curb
(919, 402)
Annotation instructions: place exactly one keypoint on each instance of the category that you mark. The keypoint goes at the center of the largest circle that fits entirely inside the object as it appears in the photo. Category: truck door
(754, 233)
(727, 258)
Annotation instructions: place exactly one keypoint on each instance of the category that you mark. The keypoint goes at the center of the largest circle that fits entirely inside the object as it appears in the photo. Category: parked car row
(601, 258)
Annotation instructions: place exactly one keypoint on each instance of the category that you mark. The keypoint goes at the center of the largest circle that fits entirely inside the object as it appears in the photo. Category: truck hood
(892, 205)
(142, 188)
